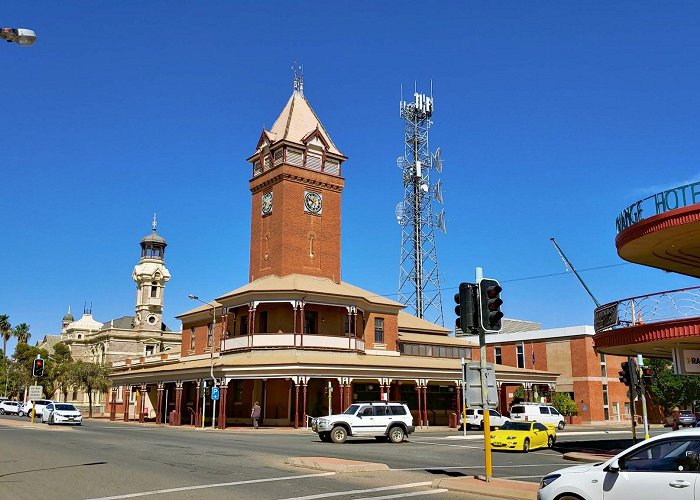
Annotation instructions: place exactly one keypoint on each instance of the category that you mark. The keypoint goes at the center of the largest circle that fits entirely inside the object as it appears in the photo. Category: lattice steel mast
(419, 279)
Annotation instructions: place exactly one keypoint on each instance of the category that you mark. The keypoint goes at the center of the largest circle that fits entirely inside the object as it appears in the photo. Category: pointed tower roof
(297, 121)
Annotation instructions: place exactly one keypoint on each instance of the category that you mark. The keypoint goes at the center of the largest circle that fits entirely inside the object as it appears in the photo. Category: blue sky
(552, 118)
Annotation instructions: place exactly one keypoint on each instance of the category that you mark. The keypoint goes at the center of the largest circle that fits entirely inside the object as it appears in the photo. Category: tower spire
(154, 224)
(298, 72)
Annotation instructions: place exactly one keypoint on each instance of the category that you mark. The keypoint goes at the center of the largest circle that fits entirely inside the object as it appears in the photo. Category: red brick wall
(280, 242)
(391, 331)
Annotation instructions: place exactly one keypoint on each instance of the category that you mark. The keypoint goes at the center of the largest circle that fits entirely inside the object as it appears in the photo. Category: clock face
(312, 202)
(267, 203)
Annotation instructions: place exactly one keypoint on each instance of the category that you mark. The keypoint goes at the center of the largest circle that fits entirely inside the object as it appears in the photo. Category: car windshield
(66, 407)
(518, 409)
(515, 426)
(352, 409)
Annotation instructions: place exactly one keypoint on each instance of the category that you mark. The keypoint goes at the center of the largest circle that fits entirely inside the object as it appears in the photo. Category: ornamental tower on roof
(296, 194)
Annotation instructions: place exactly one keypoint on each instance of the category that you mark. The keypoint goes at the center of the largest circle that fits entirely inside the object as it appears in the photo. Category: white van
(537, 412)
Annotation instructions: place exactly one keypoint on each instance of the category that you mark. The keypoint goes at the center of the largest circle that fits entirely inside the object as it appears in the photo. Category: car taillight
(526, 417)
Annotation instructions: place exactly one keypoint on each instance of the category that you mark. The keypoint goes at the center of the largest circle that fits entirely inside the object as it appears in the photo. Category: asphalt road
(101, 459)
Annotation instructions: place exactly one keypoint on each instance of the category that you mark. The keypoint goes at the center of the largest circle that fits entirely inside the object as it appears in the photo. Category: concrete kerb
(335, 464)
(587, 457)
(496, 488)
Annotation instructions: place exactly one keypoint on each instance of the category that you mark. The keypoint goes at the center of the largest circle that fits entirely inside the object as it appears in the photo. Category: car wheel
(51, 421)
(20, 413)
(561, 425)
(396, 434)
(526, 445)
(339, 434)
(481, 426)
(550, 442)
(324, 437)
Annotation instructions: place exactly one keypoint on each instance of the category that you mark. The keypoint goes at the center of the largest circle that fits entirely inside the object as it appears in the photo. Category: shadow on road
(53, 468)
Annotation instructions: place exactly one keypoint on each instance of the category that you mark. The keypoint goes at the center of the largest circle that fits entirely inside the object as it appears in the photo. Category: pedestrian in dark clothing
(255, 414)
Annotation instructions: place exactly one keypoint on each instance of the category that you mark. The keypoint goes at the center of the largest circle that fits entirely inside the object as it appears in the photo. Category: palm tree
(5, 331)
(22, 333)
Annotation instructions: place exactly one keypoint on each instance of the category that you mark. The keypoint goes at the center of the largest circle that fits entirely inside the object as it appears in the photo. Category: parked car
(665, 466)
(686, 418)
(26, 408)
(382, 419)
(61, 413)
(11, 407)
(524, 436)
(475, 418)
(528, 412)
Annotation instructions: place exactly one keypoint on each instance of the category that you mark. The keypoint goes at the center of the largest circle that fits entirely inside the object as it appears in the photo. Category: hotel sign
(658, 203)
(686, 361)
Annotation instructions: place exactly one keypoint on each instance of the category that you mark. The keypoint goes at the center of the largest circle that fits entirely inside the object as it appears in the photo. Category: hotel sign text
(659, 203)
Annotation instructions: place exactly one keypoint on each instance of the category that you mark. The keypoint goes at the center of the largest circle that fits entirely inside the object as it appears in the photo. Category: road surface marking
(215, 485)
(357, 492)
(404, 495)
(450, 467)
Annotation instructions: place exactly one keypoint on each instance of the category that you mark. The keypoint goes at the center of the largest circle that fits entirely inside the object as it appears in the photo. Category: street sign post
(36, 392)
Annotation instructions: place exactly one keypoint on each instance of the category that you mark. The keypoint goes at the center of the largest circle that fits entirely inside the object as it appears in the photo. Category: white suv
(26, 408)
(475, 418)
(536, 412)
(9, 407)
(382, 420)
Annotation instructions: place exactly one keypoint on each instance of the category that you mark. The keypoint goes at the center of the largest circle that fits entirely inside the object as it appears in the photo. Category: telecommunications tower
(420, 212)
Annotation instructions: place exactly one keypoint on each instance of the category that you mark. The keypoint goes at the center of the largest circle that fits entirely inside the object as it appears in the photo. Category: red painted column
(420, 413)
(304, 407)
(159, 412)
(459, 400)
(113, 405)
(222, 407)
(342, 397)
(142, 407)
(178, 403)
(127, 397)
(197, 416)
(425, 404)
(296, 406)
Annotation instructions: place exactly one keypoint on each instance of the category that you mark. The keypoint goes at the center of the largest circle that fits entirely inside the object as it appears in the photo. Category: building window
(379, 330)
(210, 334)
(244, 325)
(497, 355)
(606, 410)
(154, 290)
(310, 321)
(192, 339)
(149, 350)
(603, 366)
(520, 352)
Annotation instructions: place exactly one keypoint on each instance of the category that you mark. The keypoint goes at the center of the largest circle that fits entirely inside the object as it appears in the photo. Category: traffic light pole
(488, 469)
(630, 360)
(643, 392)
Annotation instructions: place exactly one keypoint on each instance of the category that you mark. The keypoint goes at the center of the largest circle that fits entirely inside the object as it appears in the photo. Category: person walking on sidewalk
(255, 414)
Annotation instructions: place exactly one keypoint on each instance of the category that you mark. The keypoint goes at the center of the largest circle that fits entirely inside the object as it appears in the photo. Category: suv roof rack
(377, 402)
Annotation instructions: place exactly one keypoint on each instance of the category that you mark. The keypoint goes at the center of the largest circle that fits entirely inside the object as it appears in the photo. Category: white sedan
(663, 467)
(61, 413)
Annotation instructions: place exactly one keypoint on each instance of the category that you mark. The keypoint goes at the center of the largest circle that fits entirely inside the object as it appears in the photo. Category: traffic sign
(471, 375)
(35, 392)
(214, 393)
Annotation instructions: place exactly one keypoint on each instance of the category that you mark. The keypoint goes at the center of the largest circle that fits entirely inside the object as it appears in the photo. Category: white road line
(215, 485)
(357, 492)
(404, 495)
(451, 445)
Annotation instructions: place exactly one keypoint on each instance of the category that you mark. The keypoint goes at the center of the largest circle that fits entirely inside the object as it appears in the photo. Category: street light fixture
(20, 36)
(211, 362)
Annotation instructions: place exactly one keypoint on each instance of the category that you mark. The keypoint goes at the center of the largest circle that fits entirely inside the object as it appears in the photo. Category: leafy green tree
(24, 360)
(562, 401)
(61, 368)
(669, 390)
(89, 377)
(22, 333)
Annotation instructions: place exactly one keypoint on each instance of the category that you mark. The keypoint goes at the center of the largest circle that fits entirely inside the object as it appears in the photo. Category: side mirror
(613, 467)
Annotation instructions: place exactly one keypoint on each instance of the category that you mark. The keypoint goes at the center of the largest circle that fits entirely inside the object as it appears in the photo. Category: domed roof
(154, 238)
(68, 316)
(87, 322)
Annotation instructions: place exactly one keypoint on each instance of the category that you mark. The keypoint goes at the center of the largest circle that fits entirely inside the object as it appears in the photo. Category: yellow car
(524, 436)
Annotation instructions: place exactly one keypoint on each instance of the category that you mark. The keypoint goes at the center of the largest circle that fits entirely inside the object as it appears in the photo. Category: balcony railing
(652, 308)
(291, 340)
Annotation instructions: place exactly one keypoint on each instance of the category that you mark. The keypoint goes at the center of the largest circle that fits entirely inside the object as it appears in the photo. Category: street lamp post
(20, 36)
(211, 362)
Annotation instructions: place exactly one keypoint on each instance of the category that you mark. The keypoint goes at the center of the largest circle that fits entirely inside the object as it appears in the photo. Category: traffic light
(628, 376)
(465, 308)
(490, 305)
(647, 375)
(38, 368)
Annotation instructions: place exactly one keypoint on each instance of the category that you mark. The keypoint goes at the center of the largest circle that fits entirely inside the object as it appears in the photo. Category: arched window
(154, 289)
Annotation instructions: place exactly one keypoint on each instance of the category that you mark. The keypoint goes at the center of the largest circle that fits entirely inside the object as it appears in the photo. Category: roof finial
(298, 72)
(155, 222)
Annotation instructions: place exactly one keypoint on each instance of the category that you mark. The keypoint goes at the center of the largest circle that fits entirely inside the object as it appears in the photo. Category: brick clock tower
(296, 189)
